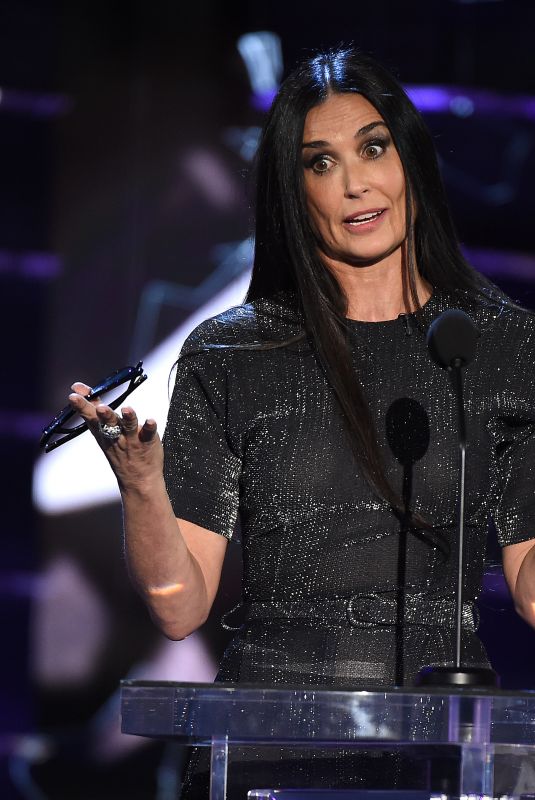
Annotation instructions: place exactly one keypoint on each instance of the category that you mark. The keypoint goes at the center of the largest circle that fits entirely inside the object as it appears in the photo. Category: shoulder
(506, 344)
(506, 331)
(494, 314)
(501, 320)
(265, 319)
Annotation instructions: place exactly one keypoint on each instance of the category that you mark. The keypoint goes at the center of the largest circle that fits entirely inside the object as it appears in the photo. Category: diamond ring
(110, 432)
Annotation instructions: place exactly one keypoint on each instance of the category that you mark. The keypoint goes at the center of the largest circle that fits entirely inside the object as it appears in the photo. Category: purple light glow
(457, 99)
(34, 104)
(20, 584)
(22, 424)
(502, 263)
(429, 98)
(261, 101)
(42, 266)
(462, 101)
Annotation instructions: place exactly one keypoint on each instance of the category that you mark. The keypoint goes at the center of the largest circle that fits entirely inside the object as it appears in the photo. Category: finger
(148, 430)
(129, 422)
(79, 400)
(81, 388)
(106, 415)
(106, 418)
(82, 406)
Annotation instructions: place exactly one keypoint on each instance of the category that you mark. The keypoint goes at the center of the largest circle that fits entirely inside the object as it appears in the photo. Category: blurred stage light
(462, 106)
(243, 141)
(34, 104)
(76, 476)
(262, 55)
(459, 100)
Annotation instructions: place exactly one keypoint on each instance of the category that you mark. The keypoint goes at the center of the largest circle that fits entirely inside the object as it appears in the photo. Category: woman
(315, 413)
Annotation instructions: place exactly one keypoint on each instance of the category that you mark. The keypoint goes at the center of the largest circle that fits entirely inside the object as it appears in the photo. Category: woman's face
(354, 182)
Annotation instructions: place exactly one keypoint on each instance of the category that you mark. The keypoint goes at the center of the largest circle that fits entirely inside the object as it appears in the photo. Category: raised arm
(174, 564)
(519, 571)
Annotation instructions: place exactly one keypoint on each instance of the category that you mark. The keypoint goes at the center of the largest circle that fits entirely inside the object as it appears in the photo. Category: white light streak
(76, 476)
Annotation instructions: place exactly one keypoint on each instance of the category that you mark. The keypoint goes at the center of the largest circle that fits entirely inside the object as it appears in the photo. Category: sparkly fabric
(335, 592)
(257, 433)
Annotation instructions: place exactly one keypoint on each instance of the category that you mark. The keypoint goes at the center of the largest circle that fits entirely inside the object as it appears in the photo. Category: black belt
(366, 610)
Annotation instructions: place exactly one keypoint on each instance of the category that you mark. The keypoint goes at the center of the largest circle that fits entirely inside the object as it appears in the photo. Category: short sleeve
(200, 468)
(514, 514)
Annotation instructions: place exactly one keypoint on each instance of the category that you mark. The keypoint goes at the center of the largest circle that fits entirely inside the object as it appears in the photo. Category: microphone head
(452, 336)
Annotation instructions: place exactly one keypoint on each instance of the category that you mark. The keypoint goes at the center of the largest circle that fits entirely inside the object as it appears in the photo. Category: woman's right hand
(136, 456)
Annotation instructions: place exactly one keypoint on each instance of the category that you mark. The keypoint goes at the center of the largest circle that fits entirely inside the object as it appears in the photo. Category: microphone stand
(455, 371)
(470, 677)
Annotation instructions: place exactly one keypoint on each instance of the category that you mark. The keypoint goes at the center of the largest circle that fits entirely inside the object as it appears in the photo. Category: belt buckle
(353, 620)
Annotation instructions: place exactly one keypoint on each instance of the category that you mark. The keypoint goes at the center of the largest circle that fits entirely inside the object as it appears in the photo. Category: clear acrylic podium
(494, 731)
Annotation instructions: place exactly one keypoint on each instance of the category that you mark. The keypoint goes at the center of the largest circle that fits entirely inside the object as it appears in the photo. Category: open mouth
(362, 219)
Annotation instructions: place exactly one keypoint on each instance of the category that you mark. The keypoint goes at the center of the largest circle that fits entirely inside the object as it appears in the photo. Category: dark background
(119, 168)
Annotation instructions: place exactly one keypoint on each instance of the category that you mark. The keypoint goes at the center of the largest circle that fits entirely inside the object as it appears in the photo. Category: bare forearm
(165, 569)
(160, 565)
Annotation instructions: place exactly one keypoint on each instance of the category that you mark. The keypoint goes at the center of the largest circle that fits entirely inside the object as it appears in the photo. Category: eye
(375, 148)
(320, 164)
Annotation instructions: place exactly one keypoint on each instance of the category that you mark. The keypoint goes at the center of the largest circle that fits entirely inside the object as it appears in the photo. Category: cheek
(320, 220)
(391, 180)
(316, 211)
(397, 195)
(400, 186)
(320, 206)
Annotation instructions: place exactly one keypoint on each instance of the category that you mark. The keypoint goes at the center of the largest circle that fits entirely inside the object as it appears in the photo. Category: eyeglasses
(113, 391)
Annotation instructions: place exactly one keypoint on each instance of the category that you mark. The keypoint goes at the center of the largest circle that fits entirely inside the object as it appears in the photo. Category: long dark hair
(286, 250)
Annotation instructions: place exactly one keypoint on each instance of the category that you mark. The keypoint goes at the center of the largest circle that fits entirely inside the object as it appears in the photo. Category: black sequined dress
(336, 591)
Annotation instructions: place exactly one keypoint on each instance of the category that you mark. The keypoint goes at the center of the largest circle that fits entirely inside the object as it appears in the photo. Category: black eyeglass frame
(134, 375)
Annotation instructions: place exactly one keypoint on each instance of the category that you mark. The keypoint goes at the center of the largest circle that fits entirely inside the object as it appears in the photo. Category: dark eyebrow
(319, 143)
(367, 128)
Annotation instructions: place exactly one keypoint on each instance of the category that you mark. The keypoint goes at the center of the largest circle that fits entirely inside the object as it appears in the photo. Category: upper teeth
(366, 217)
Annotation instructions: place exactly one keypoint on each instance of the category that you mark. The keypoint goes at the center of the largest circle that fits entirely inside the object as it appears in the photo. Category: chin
(373, 255)
(363, 259)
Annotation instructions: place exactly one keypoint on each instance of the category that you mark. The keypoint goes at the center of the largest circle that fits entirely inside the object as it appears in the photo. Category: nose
(355, 182)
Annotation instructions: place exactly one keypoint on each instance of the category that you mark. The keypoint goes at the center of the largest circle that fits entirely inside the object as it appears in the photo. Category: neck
(378, 292)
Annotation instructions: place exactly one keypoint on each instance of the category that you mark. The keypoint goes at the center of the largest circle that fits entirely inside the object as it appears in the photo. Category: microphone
(451, 340)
